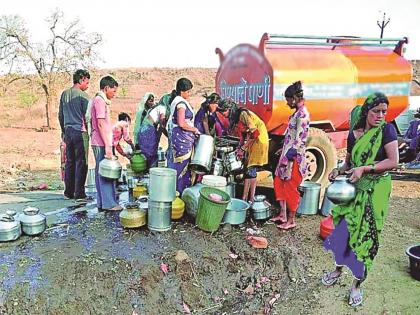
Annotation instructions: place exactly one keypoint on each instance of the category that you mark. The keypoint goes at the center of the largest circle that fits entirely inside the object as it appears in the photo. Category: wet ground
(86, 263)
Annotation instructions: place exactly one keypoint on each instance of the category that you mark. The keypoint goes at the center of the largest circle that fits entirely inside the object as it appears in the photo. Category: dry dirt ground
(90, 265)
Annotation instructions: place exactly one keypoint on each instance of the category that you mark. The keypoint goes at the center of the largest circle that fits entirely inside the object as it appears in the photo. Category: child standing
(121, 131)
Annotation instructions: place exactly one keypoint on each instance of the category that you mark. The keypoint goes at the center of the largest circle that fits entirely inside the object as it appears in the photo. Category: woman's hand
(334, 173)
(196, 131)
(240, 153)
(356, 173)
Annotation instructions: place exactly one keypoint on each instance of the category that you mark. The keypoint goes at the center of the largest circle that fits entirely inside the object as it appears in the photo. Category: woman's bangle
(372, 169)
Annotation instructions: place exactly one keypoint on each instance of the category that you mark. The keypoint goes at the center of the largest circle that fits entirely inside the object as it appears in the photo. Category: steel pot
(190, 196)
(162, 184)
(236, 211)
(261, 208)
(232, 162)
(218, 167)
(327, 206)
(231, 189)
(33, 222)
(110, 168)
(143, 202)
(10, 228)
(341, 191)
(159, 216)
(309, 202)
(203, 154)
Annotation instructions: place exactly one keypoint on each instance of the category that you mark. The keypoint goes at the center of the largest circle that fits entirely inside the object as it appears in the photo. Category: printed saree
(365, 215)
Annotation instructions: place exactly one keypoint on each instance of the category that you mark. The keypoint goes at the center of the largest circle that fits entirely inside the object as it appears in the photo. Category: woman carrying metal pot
(181, 133)
(372, 150)
(291, 167)
(253, 146)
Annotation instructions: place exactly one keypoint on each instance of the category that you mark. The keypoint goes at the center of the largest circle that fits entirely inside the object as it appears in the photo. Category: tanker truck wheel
(321, 156)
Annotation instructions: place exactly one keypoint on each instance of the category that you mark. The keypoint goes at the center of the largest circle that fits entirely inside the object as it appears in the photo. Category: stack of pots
(162, 192)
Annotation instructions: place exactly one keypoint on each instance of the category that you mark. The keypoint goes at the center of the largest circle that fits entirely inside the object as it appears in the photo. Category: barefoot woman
(291, 167)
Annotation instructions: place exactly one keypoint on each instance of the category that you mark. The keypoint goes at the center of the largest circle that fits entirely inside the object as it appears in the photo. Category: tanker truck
(338, 73)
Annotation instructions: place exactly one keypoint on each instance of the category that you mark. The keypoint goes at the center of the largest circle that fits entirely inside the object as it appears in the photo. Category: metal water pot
(162, 184)
(327, 206)
(132, 216)
(190, 196)
(203, 154)
(110, 168)
(10, 228)
(33, 222)
(236, 211)
(218, 167)
(341, 191)
(261, 208)
(232, 163)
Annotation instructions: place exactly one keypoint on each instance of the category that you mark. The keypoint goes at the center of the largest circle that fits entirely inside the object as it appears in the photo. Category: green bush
(27, 99)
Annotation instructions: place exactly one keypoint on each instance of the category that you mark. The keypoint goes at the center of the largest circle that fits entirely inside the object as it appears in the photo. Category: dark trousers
(76, 164)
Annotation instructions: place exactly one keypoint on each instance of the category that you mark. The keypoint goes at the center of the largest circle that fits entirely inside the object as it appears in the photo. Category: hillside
(133, 84)
(22, 105)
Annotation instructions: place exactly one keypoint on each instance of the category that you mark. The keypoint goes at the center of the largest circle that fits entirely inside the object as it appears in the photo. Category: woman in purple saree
(182, 133)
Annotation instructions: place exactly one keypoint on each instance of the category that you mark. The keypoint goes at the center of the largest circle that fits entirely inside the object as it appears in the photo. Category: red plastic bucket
(326, 227)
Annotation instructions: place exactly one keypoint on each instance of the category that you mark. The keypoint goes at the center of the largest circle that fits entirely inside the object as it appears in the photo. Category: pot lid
(259, 198)
(31, 215)
(8, 223)
(131, 205)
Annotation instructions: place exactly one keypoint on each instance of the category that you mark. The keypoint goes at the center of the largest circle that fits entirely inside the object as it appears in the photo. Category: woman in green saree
(372, 150)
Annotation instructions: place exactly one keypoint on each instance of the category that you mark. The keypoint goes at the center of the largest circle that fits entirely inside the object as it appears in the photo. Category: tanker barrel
(327, 44)
(367, 39)
(305, 40)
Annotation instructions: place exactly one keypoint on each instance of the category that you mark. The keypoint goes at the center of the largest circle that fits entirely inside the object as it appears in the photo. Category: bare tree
(9, 71)
(67, 48)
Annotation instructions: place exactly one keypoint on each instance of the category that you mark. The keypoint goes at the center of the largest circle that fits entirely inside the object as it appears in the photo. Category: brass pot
(132, 216)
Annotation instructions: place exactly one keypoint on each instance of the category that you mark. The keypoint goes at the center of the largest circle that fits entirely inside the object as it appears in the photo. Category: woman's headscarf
(358, 116)
(139, 114)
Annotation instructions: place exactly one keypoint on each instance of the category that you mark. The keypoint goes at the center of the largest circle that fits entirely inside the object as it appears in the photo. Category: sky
(185, 33)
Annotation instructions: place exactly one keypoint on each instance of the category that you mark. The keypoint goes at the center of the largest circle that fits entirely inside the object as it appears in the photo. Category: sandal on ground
(328, 279)
(356, 299)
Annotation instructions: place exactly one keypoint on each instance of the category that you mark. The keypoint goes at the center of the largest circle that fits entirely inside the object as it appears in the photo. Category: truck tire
(321, 156)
